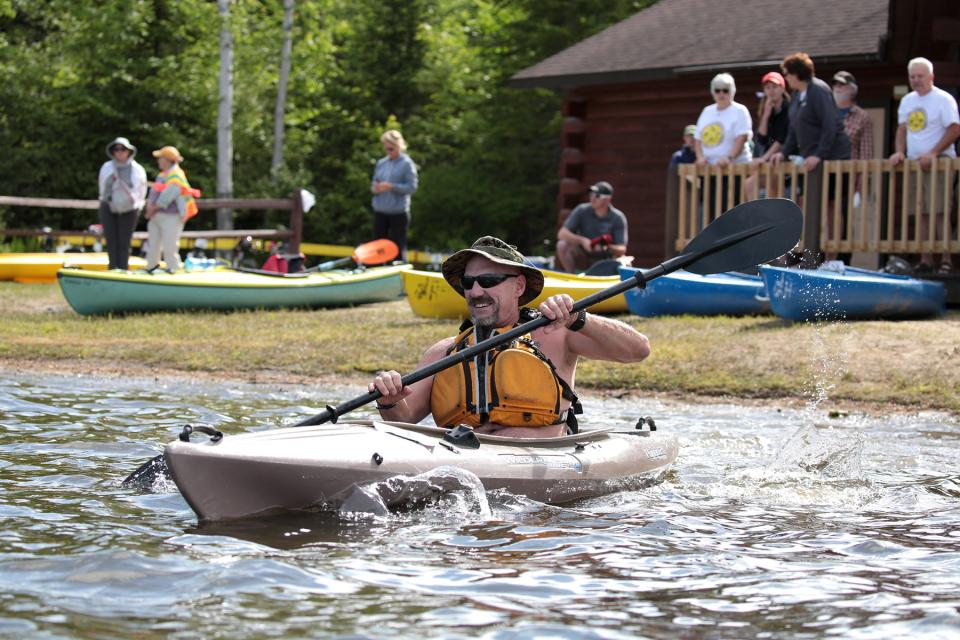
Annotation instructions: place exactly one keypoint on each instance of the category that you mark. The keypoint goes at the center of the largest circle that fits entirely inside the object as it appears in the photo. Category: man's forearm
(949, 137)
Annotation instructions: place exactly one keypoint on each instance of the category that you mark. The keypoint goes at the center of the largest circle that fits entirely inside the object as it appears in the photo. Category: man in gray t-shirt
(594, 230)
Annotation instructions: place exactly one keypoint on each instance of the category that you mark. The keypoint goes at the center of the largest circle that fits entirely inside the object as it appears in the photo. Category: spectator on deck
(686, 154)
(723, 130)
(773, 125)
(816, 129)
(724, 127)
(856, 122)
(859, 129)
(928, 129)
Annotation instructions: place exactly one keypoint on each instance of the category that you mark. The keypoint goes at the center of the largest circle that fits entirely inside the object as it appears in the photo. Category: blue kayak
(850, 293)
(681, 292)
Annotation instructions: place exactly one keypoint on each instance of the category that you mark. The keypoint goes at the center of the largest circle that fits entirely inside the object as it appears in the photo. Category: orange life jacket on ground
(514, 385)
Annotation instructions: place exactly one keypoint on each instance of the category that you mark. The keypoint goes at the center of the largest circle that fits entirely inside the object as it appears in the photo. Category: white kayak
(296, 468)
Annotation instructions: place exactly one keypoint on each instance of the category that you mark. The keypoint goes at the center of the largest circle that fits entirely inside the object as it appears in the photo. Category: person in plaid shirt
(856, 122)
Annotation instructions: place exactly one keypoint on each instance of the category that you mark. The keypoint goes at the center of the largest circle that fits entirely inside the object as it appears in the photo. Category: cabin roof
(674, 37)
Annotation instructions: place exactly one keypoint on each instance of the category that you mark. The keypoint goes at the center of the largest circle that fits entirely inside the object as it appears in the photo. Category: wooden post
(296, 222)
(672, 213)
(811, 231)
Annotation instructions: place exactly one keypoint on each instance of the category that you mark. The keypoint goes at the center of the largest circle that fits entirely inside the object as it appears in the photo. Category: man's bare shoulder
(438, 349)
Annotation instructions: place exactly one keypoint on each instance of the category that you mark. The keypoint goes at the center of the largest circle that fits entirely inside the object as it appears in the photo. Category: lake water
(773, 524)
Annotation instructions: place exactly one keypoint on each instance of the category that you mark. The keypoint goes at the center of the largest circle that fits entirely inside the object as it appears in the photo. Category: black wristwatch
(579, 322)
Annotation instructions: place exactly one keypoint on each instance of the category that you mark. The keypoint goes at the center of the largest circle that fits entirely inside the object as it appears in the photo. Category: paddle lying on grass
(749, 234)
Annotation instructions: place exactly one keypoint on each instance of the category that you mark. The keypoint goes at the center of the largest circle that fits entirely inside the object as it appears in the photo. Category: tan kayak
(297, 468)
(430, 296)
(43, 267)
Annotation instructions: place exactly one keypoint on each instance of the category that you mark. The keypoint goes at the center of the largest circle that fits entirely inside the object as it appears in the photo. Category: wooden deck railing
(848, 205)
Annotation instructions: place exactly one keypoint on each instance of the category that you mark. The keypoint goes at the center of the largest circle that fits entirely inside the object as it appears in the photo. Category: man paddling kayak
(525, 388)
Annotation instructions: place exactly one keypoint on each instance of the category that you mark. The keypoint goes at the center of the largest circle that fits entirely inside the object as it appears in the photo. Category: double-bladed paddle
(750, 234)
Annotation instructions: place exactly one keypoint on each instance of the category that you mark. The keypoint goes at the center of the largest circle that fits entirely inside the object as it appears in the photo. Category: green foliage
(73, 75)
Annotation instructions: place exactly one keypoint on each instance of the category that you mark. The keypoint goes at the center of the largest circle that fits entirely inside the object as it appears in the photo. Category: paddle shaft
(331, 414)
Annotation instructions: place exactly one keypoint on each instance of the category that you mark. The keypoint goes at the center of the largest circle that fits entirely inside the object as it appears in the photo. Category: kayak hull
(225, 289)
(682, 292)
(854, 294)
(43, 267)
(297, 468)
(430, 296)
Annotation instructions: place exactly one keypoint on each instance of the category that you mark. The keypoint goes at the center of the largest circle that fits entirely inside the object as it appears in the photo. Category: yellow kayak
(430, 296)
(43, 267)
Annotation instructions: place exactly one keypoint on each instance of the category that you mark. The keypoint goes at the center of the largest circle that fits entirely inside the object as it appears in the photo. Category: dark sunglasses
(486, 280)
(721, 90)
(115, 149)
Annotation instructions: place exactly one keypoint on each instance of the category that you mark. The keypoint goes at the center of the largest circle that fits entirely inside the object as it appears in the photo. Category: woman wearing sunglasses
(123, 192)
(724, 127)
(524, 389)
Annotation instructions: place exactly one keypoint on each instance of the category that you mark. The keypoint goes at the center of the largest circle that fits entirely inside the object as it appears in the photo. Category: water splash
(457, 490)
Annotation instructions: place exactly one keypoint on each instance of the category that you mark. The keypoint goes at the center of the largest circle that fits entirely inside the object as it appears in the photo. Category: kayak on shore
(679, 293)
(43, 267)
(430, 296)
(850, 294)
(90, 292)
(296, 468)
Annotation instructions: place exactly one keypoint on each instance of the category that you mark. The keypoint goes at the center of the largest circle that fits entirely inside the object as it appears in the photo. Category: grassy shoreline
(908, 365)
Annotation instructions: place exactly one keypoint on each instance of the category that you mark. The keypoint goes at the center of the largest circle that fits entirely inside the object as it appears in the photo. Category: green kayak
(95, 292)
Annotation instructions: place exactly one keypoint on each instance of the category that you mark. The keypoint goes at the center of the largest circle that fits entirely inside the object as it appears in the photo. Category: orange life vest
(174, 176)
(514, 385)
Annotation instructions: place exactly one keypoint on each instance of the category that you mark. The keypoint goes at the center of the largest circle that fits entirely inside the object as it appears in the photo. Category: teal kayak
(99, 292)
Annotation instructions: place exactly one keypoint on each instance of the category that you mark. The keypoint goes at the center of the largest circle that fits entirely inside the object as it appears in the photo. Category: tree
(225, 117)
(277, 160)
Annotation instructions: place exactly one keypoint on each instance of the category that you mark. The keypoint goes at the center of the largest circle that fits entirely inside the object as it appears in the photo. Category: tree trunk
(225, 117)
(285, 53)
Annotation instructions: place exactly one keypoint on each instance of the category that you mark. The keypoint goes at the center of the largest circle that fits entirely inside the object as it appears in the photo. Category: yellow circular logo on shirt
(917, 120)
(712, 135)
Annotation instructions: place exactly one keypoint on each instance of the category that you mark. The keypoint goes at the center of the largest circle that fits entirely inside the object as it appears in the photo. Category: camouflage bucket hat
(498, 251)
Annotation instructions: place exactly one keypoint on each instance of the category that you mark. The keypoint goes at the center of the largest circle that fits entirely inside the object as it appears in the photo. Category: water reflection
(782, 523)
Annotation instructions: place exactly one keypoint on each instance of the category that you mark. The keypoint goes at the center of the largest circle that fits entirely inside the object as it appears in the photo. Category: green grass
(915, 364)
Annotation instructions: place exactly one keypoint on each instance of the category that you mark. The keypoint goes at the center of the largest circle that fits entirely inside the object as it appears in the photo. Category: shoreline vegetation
(875, 367)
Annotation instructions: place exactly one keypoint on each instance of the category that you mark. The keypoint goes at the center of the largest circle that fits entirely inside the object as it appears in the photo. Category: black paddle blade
(146, 476)
(776, 223)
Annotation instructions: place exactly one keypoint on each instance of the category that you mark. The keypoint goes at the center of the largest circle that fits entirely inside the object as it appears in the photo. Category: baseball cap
(690, 130)
(168, 152)
(775, 77)
(843, 77)
(602, 189)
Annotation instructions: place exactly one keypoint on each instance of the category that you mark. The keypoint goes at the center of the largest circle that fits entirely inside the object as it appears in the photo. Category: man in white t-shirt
(929, 125)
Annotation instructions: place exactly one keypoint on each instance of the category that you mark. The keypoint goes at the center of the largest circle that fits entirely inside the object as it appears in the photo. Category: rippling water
(774, 524)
